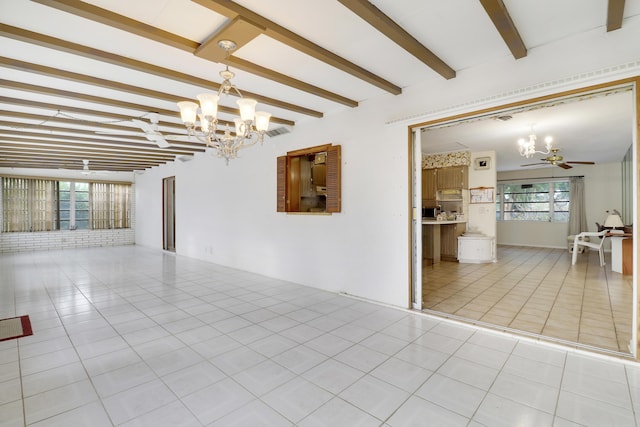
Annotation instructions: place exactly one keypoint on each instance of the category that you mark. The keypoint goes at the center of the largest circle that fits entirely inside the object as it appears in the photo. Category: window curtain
(28, 204)
(577, 214)
(109, 205)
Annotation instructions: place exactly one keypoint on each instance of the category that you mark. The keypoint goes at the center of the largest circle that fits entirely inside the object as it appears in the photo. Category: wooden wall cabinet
(308, 180)
(452, 178)
(449, 178)
(429, 184)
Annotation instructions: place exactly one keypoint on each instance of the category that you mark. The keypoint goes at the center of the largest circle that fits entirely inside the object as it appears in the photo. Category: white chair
(580, 240)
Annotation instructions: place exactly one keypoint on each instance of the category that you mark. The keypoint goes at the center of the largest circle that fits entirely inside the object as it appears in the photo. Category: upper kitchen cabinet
(308, 180)
(428, 184)
(452, 178)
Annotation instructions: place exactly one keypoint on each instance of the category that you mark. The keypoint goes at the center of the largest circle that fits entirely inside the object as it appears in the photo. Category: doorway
(498, 114)
(169, 213)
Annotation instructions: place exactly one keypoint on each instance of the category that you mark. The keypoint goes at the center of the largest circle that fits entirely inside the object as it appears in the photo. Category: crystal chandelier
(250, 127)
(528, 147)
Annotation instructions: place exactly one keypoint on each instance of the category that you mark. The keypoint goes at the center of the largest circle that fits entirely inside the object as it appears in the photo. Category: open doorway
(456, 281)
(169, 213)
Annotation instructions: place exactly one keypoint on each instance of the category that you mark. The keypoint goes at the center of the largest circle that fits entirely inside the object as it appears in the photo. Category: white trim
(603, 75)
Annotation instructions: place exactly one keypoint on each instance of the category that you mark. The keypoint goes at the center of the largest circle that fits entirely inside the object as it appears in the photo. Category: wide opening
(500, 253)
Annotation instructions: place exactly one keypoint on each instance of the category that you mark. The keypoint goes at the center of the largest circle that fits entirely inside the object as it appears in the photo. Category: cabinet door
(334, 195)
(452, 178)
(428, 184)
(281, 186)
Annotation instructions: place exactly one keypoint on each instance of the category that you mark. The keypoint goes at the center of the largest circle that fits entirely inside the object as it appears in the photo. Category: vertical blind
(109, 205)
(31, 204)
(28, 204)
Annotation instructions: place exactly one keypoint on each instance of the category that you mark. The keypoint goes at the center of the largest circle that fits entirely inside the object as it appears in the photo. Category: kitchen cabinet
(429, 184)
(449, 240)
(453, 177)
(439, 240)
(443, 179)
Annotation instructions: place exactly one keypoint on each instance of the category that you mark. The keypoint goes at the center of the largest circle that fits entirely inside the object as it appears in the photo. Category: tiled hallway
(131, 336)
(538, 291)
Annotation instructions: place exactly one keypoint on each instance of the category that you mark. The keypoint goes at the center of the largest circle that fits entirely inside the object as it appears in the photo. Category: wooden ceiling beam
(62, 109)
(58, 165)
(284, 79)
(18, 128)
(615, 14)
(27, 36)
(501, 19)
(238, 30)
(69, 121)
(97, 14)
(69, 109)
(61, 147)
(241, 30)
(95, 81)
(387, 26)
(44, 90)
(73, 161)
(81, 122)
(291, 39)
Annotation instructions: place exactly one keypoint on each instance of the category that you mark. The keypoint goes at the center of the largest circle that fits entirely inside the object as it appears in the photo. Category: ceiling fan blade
(184, 138)
(564, 165)
(158, 139)
(583, 163)
(533, 164)
(146, 127)
(120, 132)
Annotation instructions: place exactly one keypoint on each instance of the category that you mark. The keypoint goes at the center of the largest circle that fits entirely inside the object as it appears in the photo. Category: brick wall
(66, 239)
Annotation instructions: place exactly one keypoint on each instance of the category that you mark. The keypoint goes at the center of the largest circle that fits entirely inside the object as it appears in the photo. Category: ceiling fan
(149, 131)
(87, 171)
(556, 159)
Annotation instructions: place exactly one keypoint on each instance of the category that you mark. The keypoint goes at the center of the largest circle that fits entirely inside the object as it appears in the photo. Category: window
(28, 204)
(45, 205)
(309, 180)
(109, 205)
(533, 200)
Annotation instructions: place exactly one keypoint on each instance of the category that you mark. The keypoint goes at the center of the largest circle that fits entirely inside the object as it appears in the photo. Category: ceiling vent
(278, 131)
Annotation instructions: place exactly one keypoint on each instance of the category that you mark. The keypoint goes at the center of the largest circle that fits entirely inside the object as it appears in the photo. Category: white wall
(603, 191)
(228, 214)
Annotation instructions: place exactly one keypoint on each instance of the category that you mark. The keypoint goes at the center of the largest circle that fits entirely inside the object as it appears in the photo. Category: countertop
(435, 222)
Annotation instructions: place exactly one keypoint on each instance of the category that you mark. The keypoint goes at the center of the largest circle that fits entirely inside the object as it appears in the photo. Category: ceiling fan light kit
(528, 147)
(250, 127)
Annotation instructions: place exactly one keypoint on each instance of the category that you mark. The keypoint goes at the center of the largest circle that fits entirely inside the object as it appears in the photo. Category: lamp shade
(209, 105)
(262, 121)
(613, 221)
(188, 111)
(247, 108)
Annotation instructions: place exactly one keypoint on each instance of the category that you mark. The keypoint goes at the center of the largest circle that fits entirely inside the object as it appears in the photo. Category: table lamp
(614, 222)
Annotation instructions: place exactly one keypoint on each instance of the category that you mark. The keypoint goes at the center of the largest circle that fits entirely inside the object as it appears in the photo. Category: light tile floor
(538, 291)
(134, 337)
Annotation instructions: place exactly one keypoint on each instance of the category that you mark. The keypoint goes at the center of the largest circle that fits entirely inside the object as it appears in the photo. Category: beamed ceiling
(74, 72)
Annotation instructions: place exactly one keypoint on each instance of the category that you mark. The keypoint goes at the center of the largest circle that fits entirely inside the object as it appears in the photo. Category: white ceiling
(459, 32)
(594, 128)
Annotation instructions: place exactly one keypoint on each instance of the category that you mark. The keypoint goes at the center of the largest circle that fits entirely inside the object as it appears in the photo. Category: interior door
(169, 213)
